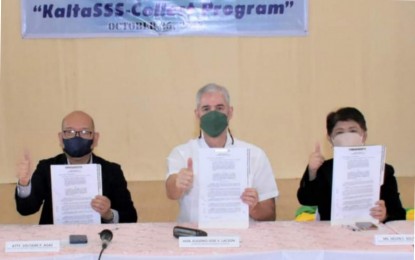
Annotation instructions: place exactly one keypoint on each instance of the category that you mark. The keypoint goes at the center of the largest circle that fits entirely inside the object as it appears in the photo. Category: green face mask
(213, 123)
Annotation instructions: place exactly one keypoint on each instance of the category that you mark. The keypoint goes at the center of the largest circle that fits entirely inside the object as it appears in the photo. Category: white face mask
(347, 139)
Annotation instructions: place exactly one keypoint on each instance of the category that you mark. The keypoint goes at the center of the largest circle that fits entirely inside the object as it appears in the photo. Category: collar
(202, 142)
(89, 162)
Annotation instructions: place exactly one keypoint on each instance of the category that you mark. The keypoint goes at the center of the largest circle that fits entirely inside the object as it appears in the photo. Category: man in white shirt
(213, 111)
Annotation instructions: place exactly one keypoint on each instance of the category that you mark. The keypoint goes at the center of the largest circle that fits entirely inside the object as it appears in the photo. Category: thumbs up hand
(24, 173)
(184, 178)
(315, 161)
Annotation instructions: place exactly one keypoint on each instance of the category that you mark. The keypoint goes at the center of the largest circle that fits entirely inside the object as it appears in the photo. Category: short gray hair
(212, 87)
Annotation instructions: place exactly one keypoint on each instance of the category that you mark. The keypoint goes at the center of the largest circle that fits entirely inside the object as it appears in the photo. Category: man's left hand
(102, 205)
(250, 197)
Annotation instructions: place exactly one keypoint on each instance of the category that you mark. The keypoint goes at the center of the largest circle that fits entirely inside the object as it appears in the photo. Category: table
(262, 240)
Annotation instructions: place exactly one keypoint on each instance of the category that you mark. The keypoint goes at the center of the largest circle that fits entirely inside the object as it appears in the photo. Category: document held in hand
(223, 177)
(73, 188)
(358, 173)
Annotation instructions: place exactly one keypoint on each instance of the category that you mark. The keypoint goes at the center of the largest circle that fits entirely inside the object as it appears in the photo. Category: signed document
(357, 176)
(223, 177)
(73, 188)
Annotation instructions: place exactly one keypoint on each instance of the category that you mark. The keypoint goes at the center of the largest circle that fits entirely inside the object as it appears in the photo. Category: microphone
(106, 237)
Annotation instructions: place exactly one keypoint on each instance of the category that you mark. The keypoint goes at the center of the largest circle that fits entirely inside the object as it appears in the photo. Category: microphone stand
(102, 250)
(106, 237)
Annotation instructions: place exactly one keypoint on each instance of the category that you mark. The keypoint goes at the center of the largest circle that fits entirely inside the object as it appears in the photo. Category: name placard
(215, 241)
(395, 239)
(32, 246)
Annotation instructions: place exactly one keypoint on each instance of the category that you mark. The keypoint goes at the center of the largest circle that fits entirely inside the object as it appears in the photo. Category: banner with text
(145, 18)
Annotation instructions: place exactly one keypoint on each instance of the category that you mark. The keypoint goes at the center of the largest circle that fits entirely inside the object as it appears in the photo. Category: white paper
(394, 239)
(223, 177)
(357, 177)
(209, 241)
(32, 246)
(73, 188)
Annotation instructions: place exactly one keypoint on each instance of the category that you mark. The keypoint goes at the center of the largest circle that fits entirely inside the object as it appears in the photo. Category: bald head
(78, 137)
(78, 120)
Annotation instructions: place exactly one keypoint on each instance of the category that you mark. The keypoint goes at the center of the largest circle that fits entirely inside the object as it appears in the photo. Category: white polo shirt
(261, 176)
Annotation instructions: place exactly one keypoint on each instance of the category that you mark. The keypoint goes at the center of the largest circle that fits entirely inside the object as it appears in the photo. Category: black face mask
(77, 146)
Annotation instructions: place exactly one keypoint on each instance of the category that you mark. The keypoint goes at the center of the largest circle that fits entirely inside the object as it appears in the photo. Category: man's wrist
(111, 218)
(312, 174)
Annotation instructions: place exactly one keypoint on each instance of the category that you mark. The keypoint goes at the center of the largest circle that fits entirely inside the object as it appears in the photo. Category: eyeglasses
(70, 133)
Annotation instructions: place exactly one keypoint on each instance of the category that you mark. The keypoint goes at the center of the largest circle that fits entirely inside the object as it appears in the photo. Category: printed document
(223, 177)
(73, 188)
(357, 176)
